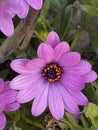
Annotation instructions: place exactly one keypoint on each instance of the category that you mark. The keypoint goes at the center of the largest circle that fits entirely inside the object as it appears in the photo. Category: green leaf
(70, 122)
(66, 17)
(90, 9)
(91, 110)
(95, 98)
(45, 8)
(90, 2)
(93, 128)
(94, 39)
(15, 128)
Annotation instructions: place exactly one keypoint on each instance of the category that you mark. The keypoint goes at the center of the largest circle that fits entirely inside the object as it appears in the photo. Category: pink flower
(8, 9)
(7, 101)
(36, 4)
(54, 79)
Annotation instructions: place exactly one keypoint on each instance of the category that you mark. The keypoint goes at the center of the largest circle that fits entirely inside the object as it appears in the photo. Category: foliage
(59, 15)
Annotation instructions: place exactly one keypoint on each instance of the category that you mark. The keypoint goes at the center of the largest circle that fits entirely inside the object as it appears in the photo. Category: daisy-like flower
(54, 79)
(7, 101)
(8, 9)
(36, 4)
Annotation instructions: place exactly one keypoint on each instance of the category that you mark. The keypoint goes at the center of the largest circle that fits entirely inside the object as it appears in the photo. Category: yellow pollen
(52, 72)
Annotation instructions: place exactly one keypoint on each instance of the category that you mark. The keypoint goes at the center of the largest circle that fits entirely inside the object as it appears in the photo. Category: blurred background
(76, 21)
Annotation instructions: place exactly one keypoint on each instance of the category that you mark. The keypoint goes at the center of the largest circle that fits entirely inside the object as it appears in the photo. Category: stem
(68, 124)
(77, 37)
(95, 84)
(37, 34)
(84, 122)
(25, 27)
(35, 123)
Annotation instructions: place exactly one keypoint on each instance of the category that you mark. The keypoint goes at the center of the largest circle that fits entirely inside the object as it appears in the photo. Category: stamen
(52, 72)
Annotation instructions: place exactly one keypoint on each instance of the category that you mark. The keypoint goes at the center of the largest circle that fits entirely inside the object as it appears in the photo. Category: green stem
(45, 23)
(37, 34)
(84, 122)
(95, 84)
(35, 123)
(77, 37)
(68, 124)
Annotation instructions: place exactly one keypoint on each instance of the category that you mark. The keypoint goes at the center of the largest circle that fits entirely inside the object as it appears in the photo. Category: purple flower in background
(8, 9)
(54, 79)
(7, 101)
(36, 4)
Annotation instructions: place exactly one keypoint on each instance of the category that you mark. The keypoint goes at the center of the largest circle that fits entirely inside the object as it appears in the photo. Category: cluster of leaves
(59, 15)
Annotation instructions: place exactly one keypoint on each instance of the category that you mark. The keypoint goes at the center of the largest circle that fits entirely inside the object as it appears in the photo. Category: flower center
(52, 72)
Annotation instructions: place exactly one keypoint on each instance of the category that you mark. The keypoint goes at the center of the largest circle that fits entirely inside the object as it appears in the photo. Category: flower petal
(61, 49)
(79, 97)
(2, 121)
(7, 85)
(36, 4)
(24, 9)
(56, 104)
(13, 7)
(69, 102)
(28, 94)
(1, 85)
(82, 68)
(45, 52)
(53, 39)
(70, 59)
(12, 107)
(35, 65)
(40, 101)
(24, 81)
(91, 76)
(72, 82)
(6, 23)
(9, 96)
(2, 104)
(19, 65)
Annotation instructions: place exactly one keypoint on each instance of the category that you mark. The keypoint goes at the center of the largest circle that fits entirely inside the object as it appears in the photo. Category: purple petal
(55, 100)
(36, 4)
(69, 102)
(72, 82)
(9, 96)
(28, 94)
(69, 59)
(82, 68)
(40, 101)
(12, 107)
(24, 81)
(1, 85)
(45, 52)
(6, 23)
(2, 121)
(61, 49)
(79, 97)
(35, 65)
(91, 76)
(2, 104)
(19, 65)
(7, 85)
(53, 39)
(13, 7)
(24, 9)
